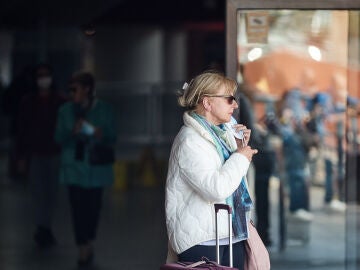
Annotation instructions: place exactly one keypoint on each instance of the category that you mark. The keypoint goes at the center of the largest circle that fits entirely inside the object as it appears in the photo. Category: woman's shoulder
(189, 140)
(187, 133)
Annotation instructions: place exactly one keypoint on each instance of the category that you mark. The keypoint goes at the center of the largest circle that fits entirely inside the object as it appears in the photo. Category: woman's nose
(235, 104)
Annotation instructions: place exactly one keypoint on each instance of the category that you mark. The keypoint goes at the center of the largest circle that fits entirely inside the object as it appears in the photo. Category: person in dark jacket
(35, 143)
(21, 85)
(264, 161)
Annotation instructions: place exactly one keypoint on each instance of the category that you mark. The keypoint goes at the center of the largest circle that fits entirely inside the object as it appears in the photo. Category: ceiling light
(314, 52)
(254, 54)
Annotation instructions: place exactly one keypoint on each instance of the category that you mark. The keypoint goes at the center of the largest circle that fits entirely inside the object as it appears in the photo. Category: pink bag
(257, 256)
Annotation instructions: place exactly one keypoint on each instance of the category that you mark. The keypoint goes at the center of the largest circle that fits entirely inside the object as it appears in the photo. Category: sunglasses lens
(230, 99)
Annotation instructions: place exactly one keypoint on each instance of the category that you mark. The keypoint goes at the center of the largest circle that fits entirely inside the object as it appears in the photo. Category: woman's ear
(206, 104)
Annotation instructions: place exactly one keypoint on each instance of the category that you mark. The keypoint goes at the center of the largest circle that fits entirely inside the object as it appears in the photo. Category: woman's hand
(246, 135)
(247, 151)
(242, 144)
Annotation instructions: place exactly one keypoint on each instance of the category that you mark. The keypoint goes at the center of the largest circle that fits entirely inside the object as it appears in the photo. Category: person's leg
(262, 206)
(36, 181)
(340, 175)
(264, 167)
(294, 198)
(77, 196)
(328, 180)
(95, 204)
(38, 178)
(239, 255)
(298, 192)
(53, 184)
(87, 202)
(306, 199)
(80, 201)
(49, 188)
(195, 253)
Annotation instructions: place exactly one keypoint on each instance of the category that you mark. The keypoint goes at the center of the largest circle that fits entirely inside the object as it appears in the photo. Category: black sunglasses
(230, 99)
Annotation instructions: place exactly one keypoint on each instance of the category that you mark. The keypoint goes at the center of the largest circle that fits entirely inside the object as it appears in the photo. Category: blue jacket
(81, 172)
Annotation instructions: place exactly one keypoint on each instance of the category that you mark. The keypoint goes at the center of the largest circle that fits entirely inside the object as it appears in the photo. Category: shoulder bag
(101, 154)
(257, 256)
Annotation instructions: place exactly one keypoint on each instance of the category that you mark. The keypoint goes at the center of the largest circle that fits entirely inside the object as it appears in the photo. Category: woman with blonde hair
(207, 165)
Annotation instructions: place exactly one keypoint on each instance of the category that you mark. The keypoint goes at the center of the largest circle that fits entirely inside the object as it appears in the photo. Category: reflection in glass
(300, 70)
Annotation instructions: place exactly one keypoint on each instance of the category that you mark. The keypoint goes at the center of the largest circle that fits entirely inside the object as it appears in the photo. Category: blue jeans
(328, 180)
(299, 197)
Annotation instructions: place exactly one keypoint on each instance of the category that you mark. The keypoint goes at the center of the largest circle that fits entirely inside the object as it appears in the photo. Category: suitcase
(204, 263)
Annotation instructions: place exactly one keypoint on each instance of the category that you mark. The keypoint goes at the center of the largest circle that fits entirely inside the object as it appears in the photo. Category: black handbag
(101, 154)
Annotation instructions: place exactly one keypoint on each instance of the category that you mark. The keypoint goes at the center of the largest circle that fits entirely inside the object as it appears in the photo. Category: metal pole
(217, 242)
(230, 240)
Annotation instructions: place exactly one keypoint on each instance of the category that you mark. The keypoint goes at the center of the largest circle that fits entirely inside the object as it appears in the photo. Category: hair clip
(185, 86)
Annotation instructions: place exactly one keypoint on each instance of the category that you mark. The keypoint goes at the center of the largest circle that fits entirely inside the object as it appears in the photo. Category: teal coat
(82, 173)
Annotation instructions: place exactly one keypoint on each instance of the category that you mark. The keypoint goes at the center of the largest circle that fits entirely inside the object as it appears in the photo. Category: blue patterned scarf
(240, 200)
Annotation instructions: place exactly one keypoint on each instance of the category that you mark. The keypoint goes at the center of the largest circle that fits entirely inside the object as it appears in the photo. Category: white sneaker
(336, 206)
(303, 214)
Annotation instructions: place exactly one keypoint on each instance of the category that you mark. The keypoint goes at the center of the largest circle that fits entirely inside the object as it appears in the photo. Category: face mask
(44, 82)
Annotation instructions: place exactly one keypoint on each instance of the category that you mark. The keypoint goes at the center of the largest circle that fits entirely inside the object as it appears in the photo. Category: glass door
(299, 67)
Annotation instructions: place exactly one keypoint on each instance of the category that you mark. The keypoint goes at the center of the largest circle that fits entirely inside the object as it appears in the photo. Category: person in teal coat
(86, 132)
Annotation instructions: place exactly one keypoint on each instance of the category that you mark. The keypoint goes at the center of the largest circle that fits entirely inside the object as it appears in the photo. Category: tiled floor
(132, 234)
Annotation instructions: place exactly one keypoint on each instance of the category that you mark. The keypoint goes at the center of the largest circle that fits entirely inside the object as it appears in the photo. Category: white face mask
(44, 82)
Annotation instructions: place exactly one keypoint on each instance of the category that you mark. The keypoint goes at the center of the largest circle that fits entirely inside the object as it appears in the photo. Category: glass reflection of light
(314, 52)
(254, 54)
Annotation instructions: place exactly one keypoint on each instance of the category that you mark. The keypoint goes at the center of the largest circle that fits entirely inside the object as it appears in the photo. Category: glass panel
(300, 71)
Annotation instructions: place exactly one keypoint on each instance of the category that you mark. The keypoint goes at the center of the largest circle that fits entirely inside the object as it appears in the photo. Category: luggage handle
(228, 208)
(219, 206)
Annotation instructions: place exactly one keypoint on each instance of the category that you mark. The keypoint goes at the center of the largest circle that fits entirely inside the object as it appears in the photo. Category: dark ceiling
(28, 14)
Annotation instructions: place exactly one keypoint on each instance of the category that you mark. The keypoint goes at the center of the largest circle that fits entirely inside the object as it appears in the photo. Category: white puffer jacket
(196, 180)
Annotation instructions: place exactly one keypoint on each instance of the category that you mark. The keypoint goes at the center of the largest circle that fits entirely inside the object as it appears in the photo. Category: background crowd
(61, 137)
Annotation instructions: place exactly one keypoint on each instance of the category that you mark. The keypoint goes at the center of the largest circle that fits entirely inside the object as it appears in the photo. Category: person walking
(85, 130)
(36, 145)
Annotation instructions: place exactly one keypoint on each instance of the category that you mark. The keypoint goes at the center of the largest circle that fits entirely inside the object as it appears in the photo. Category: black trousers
(195, 253)
(264, 163)
(85, 209)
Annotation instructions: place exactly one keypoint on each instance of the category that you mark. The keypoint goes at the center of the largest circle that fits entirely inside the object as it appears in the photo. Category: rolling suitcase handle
(229, 210)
